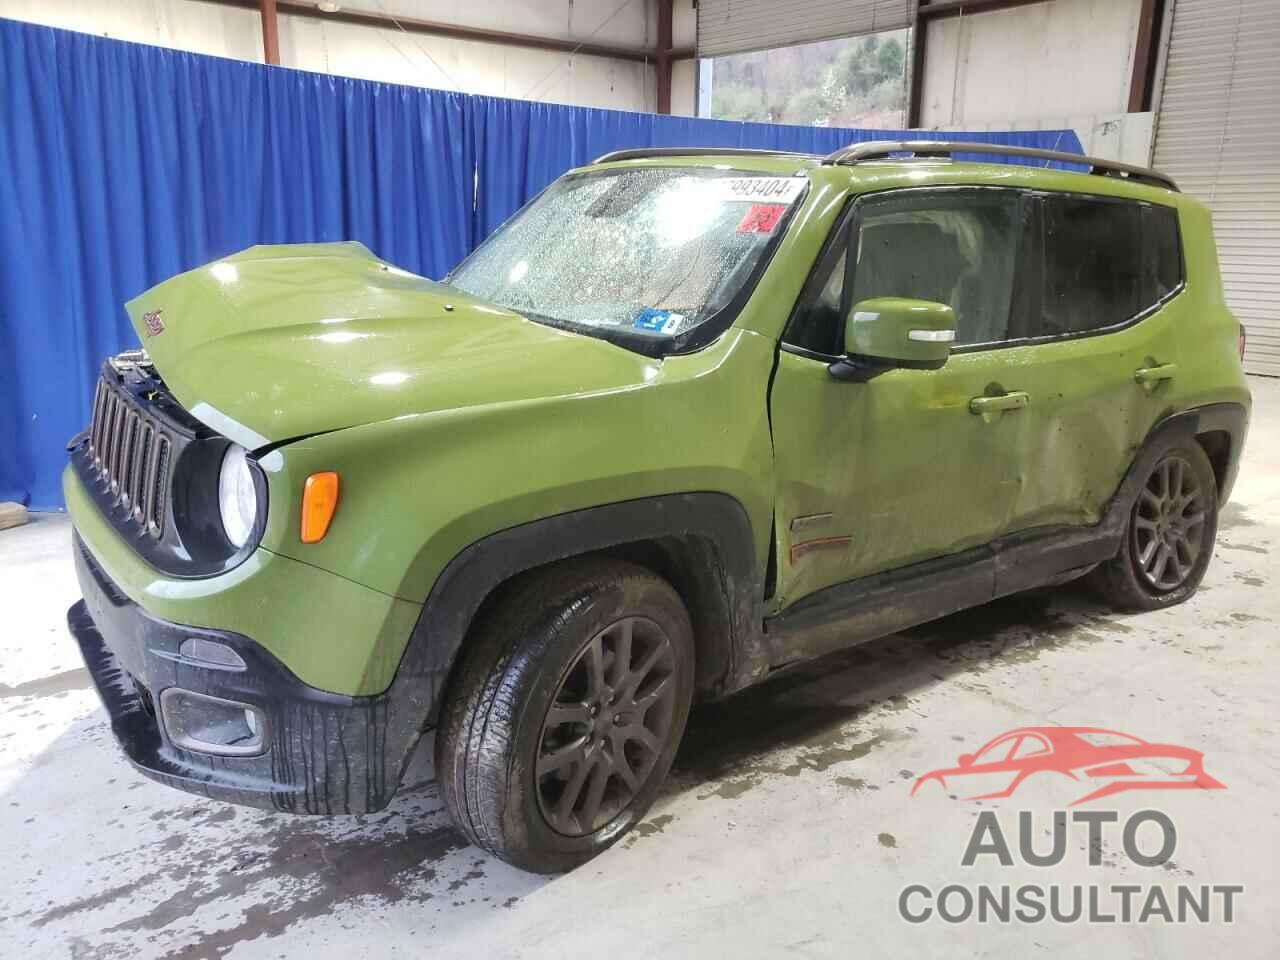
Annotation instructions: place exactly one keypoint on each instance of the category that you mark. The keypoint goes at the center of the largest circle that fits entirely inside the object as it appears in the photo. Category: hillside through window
(853, 82)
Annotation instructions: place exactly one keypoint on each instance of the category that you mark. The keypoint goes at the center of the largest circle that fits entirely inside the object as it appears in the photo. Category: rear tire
(564, 715)
(1169, 538)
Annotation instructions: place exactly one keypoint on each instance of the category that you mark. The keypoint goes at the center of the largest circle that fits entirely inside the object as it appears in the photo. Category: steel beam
(1145, 54)
(270, 31)
(662, 62)
(956, 8)
(915, 82)
(388, 21)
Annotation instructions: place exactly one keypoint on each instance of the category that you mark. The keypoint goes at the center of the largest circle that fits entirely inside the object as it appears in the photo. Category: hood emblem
(154, 323)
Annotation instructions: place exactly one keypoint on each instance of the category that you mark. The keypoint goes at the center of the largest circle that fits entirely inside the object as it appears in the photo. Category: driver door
(883, 474)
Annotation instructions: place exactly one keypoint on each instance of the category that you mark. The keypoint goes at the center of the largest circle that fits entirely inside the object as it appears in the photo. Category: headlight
(237, 496)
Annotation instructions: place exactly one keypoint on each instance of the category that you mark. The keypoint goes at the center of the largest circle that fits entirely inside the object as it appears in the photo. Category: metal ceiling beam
(956, 8)
(386, 21)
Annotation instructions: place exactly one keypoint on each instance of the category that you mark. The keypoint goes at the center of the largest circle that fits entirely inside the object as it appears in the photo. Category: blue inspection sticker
(657, 321)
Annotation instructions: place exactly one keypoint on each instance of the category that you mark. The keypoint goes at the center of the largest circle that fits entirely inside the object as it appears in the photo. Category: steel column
(662, 62)
(270, 31)
(1145, 54)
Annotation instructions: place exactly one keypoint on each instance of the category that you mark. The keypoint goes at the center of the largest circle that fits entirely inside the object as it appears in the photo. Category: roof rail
(639, 153)
(885, 149)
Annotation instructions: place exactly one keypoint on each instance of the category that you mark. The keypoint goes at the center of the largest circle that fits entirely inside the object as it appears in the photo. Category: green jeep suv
(687, 418)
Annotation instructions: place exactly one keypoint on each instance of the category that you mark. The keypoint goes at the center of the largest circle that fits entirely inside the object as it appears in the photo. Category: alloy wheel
(607, 726)
(1169, 525)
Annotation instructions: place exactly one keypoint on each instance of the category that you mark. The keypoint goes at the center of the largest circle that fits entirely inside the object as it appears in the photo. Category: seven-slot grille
(131, 454)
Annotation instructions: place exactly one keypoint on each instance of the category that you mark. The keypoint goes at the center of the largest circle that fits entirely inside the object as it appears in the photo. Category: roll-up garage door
(1218, 135)
(736, 26)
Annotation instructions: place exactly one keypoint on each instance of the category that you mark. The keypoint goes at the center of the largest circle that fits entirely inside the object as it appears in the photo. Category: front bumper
(320, 752)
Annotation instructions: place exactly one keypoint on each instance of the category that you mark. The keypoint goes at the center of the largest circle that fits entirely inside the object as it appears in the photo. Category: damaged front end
(217, 659)
(214, 713)
(153, 470)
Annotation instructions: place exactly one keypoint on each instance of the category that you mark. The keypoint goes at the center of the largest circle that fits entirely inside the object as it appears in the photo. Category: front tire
(1169, 538)
(565, 712)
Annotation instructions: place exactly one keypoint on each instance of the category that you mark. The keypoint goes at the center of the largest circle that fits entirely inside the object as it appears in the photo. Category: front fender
(417, 491)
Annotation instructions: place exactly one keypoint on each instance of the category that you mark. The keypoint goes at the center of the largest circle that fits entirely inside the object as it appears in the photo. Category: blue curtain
(122, 164)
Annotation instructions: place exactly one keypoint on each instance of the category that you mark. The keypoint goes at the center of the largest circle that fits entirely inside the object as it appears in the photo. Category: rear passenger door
(1098, 347)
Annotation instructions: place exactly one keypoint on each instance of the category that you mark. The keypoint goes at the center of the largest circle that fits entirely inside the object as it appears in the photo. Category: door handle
(990, 407)
(1149, 377)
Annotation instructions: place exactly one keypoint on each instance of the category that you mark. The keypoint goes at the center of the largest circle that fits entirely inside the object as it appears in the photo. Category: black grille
(130, 451)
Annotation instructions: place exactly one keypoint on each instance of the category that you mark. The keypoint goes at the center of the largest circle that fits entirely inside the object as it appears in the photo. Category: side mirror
(966, 759)
(890, 332)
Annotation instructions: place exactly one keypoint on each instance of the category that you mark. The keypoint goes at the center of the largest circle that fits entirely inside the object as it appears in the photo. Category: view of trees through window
(854, 82)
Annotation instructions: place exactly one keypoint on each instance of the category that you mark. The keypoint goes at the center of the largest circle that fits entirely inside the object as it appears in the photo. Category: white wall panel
(394, 56)
(1059, 58)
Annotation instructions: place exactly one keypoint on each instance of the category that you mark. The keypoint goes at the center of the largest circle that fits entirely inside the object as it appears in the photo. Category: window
(1107, 738)
(819, 324)
(953, 248)
(1105, 262)
(1162, 254)
(957, 247)
(847, 82)
(997, 752)
(1092, 264)
(1029, 747)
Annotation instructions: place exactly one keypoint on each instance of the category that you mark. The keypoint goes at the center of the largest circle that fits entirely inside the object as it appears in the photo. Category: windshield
(647, 254)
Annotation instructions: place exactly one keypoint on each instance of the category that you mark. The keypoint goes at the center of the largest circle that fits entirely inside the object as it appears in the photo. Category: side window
(954, 247)
(997, 752)
(957, 247)
(1093, 264)
(819, 325)
(1161, 252)
(1030, 747)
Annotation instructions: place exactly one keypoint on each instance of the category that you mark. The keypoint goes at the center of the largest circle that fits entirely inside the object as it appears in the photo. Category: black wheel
(565, 713)
(1169, 539)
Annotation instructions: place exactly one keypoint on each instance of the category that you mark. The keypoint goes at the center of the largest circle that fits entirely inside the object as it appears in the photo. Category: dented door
(1105, 362)
(878, 475)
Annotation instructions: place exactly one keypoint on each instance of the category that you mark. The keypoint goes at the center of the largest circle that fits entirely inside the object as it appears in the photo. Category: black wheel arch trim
(716, 520)
(1229, 418)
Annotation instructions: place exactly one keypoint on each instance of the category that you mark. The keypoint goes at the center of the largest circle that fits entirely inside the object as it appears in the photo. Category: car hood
(280, 342)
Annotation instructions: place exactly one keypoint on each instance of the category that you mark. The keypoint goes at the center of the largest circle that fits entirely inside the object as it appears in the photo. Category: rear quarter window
(1162, 253)
(1092, 264)
(1106, 261)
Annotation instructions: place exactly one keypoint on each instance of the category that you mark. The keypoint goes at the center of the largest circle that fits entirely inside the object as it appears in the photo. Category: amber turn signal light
(319, 500)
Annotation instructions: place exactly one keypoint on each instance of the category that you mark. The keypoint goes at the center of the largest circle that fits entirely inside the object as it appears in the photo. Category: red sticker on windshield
(762, 218)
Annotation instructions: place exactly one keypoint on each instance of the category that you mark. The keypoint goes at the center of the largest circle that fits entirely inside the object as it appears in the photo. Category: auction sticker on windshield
(755, 189)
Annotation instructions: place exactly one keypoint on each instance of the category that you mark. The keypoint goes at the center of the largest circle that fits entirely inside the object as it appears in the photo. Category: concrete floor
(787, 829)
